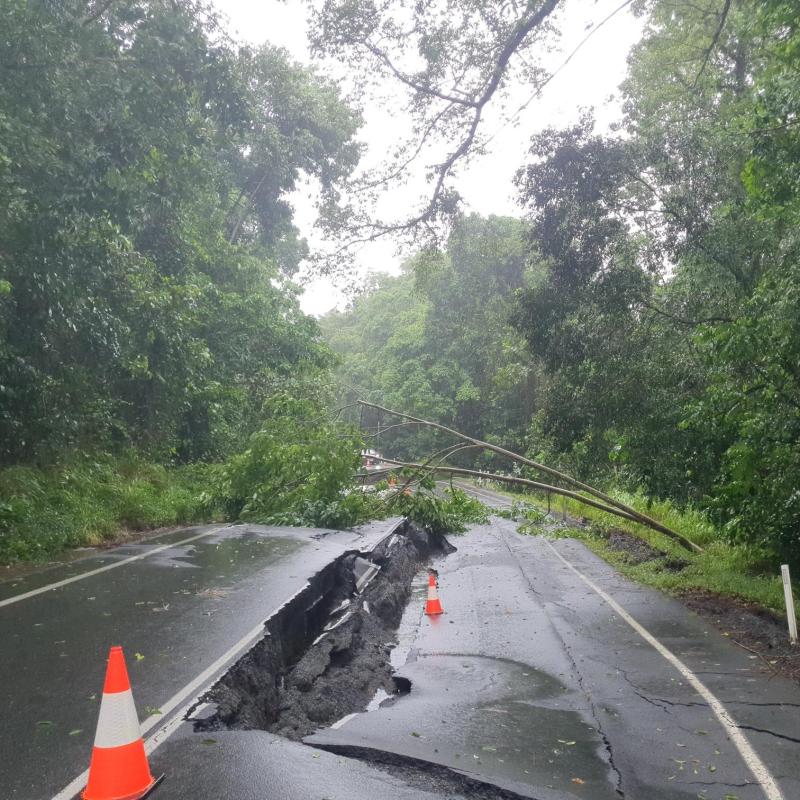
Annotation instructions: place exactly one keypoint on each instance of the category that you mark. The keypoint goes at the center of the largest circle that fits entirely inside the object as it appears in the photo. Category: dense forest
(147, 245)
(147, 249)
(639, 324)
(636, 323)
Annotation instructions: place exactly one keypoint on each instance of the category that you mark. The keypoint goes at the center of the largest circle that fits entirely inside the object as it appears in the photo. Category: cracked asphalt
(190, 597)
(532, 683)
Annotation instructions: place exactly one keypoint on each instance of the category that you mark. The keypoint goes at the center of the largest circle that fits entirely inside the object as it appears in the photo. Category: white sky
(590, 79)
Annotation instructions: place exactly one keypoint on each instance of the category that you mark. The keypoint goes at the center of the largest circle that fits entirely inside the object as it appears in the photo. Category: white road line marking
(343, 721)
(760, 772)
(195, 688)
(58, 584)
(190, 689)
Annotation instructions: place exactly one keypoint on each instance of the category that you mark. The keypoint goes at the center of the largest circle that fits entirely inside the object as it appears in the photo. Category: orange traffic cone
(433, 606)
(118, 769)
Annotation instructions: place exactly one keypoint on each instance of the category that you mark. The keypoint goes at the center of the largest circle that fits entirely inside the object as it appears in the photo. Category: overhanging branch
(637, 516)
(513, 479)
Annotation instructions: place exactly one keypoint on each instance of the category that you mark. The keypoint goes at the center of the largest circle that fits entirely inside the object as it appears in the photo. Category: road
(535, 682)
(183, 605)
(549, 676)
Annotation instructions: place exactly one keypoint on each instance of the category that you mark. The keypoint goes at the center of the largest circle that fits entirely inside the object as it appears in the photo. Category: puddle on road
(541, 747)
(491, 717)
(519, 723)
(523, 732)
(228, 555)
(406, 632)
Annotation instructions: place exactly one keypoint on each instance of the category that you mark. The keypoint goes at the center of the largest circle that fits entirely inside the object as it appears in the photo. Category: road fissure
(759, 770)
(327, 653)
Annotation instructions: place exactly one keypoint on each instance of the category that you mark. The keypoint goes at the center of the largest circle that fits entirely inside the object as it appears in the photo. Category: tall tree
(437, 340)
(449, 62)
(145, 237)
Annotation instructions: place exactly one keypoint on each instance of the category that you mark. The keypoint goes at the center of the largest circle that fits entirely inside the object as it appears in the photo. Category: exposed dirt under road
(638, 551)
(327, 654)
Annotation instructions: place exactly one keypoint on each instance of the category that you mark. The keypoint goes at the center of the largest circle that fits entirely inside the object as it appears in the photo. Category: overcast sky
(590, 79)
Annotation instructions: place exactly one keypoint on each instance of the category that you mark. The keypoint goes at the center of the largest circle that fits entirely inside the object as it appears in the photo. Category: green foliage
(146, 247)
(665, 316)
(753, 400)
(145, 236)
(440, 515)
(296, 470)
(723, 567)
(83, 503)
(527, 515)
(437, 342)
(640, 327)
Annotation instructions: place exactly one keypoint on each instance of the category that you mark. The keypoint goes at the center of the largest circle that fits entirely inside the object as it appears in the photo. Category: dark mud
(637, 551)
(762, 632)
(327, 651)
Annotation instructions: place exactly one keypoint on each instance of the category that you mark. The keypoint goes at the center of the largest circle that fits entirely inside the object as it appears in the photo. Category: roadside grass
(43, 511)
(722, 567)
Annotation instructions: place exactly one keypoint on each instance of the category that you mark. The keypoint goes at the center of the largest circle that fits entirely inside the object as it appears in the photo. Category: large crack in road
(526, 687)
(326, 652)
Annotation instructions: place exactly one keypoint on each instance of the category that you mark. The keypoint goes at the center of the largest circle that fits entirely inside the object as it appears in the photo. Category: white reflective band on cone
(118, 724)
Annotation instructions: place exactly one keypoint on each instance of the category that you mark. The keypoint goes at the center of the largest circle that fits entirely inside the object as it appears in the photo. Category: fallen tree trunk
(632, 513)
(512, 479)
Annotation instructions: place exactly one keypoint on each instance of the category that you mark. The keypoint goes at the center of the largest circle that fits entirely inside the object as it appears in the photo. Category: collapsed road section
(530, 685)
(326, 651)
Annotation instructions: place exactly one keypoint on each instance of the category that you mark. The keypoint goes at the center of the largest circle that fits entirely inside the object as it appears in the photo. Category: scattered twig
(770, 667)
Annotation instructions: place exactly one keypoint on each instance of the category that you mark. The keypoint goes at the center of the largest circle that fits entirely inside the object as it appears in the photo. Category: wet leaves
(138, 656)
(212, 593)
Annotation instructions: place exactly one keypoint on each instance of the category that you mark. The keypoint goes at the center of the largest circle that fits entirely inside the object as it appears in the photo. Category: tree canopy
(146, 241)
(655, 292)
(636, 324)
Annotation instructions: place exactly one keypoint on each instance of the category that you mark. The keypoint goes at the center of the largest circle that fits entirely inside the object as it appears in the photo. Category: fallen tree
(609, 504)
(514, 480)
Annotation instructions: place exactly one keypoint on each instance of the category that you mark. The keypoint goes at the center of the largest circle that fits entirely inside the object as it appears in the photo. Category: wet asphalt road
(176, 612)
(532, 682)
(529, 682)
